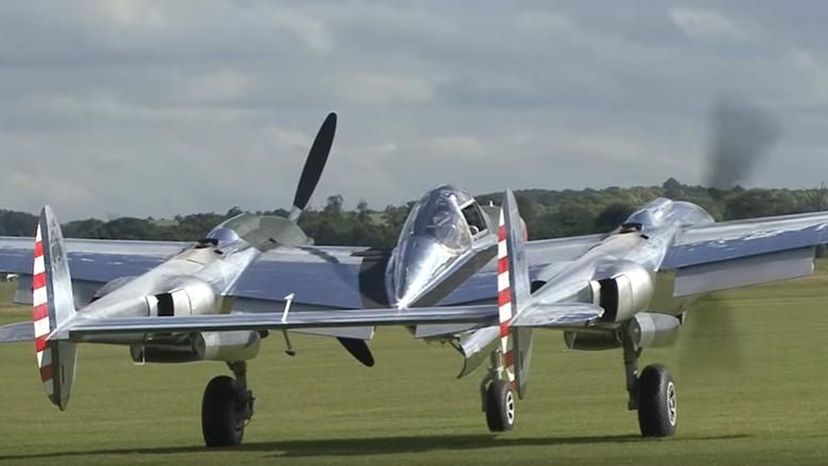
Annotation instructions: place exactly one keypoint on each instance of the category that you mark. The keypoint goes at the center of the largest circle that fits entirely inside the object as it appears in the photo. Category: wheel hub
(510, 407)
(672, 411)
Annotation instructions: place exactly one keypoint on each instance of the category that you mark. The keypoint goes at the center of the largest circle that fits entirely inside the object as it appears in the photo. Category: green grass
(321, 407)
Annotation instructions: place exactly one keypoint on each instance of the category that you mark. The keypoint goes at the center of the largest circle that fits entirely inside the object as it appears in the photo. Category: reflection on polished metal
(435, 241)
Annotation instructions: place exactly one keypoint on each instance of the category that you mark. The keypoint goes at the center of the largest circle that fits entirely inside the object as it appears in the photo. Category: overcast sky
(157, 107)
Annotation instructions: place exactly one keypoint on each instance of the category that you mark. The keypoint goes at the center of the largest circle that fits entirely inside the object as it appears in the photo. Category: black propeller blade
(358, 349)
(314, 165)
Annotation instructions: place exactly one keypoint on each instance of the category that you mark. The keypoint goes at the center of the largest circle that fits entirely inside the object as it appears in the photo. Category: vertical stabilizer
(53, 306)
(512, 344)
(514, 294)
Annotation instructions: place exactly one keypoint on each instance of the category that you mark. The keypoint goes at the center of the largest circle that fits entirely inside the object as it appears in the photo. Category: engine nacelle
(190, 296)
(647, 329)
(653, 330)
(239, 345)
(627, 292)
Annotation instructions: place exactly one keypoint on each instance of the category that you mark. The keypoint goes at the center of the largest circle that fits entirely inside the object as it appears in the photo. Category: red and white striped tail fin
(513, 294)
(53, 306)
(504, 301)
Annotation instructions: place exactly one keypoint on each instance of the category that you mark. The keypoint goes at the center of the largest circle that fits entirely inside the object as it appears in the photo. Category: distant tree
(89, 228)
(334, 205)
(672, 189)
(15, 223)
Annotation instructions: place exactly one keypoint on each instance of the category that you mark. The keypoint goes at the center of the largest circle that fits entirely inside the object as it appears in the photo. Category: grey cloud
(158, 108)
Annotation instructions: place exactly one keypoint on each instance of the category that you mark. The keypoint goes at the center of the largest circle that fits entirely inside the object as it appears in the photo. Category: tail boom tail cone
(52, 306)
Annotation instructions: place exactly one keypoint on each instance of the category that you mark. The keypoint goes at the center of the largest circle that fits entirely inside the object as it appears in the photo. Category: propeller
(742, 135)
(314, 165)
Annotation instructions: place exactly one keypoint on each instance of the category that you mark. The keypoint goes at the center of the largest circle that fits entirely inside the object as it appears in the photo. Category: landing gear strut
(227, 407)
(652, 393)
(498, 396)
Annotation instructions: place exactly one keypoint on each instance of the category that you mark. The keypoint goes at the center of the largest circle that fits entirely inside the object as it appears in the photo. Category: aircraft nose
(418, 264)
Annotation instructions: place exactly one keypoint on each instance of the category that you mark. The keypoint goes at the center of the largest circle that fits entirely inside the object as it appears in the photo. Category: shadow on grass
(377, 445)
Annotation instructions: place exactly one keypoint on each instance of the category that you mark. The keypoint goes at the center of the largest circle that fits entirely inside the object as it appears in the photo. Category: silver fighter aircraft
(460, 273)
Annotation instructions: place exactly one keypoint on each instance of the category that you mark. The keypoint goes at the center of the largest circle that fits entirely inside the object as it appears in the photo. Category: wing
(92, 262)
(321, 277)
(15, 333)
(745, 252)
(354, 277)
(549, 251)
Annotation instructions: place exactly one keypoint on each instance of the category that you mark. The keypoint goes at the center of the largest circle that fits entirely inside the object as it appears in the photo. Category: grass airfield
(322, 407)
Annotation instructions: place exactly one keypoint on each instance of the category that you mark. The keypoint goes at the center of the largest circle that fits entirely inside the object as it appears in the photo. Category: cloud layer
(156, 108)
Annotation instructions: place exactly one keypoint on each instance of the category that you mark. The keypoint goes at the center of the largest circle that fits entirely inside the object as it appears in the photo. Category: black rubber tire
(501, 406)
(222, 416)
(657, 415)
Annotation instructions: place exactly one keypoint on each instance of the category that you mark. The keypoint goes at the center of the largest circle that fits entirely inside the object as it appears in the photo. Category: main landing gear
(227, 407)
(652, 394)
(498, 396)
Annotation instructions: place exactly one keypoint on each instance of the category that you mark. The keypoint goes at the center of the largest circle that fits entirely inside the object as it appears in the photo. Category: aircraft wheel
(222, 413)
(501, 406)
(657, 414)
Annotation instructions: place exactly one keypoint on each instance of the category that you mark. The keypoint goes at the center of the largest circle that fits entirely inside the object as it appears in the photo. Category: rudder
(514, 294)
(52, 307)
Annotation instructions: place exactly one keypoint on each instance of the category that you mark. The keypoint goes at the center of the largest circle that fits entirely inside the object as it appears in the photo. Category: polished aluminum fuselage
(206, 272)
(643, 241)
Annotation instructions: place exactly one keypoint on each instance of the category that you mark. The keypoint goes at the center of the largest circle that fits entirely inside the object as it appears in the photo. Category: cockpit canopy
(437, 216)
(440, 228)
(648, 217)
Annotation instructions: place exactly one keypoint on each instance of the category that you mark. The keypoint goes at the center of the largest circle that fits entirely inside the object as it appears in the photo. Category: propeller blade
(358, 349)
(742, 136)
(314, 165)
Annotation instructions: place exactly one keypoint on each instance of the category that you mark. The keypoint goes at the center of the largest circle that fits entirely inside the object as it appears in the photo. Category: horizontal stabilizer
(277, 321)
(16, 333)
(558, 315)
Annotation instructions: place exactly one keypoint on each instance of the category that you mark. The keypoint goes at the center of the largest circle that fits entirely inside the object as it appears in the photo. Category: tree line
(548, 214)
